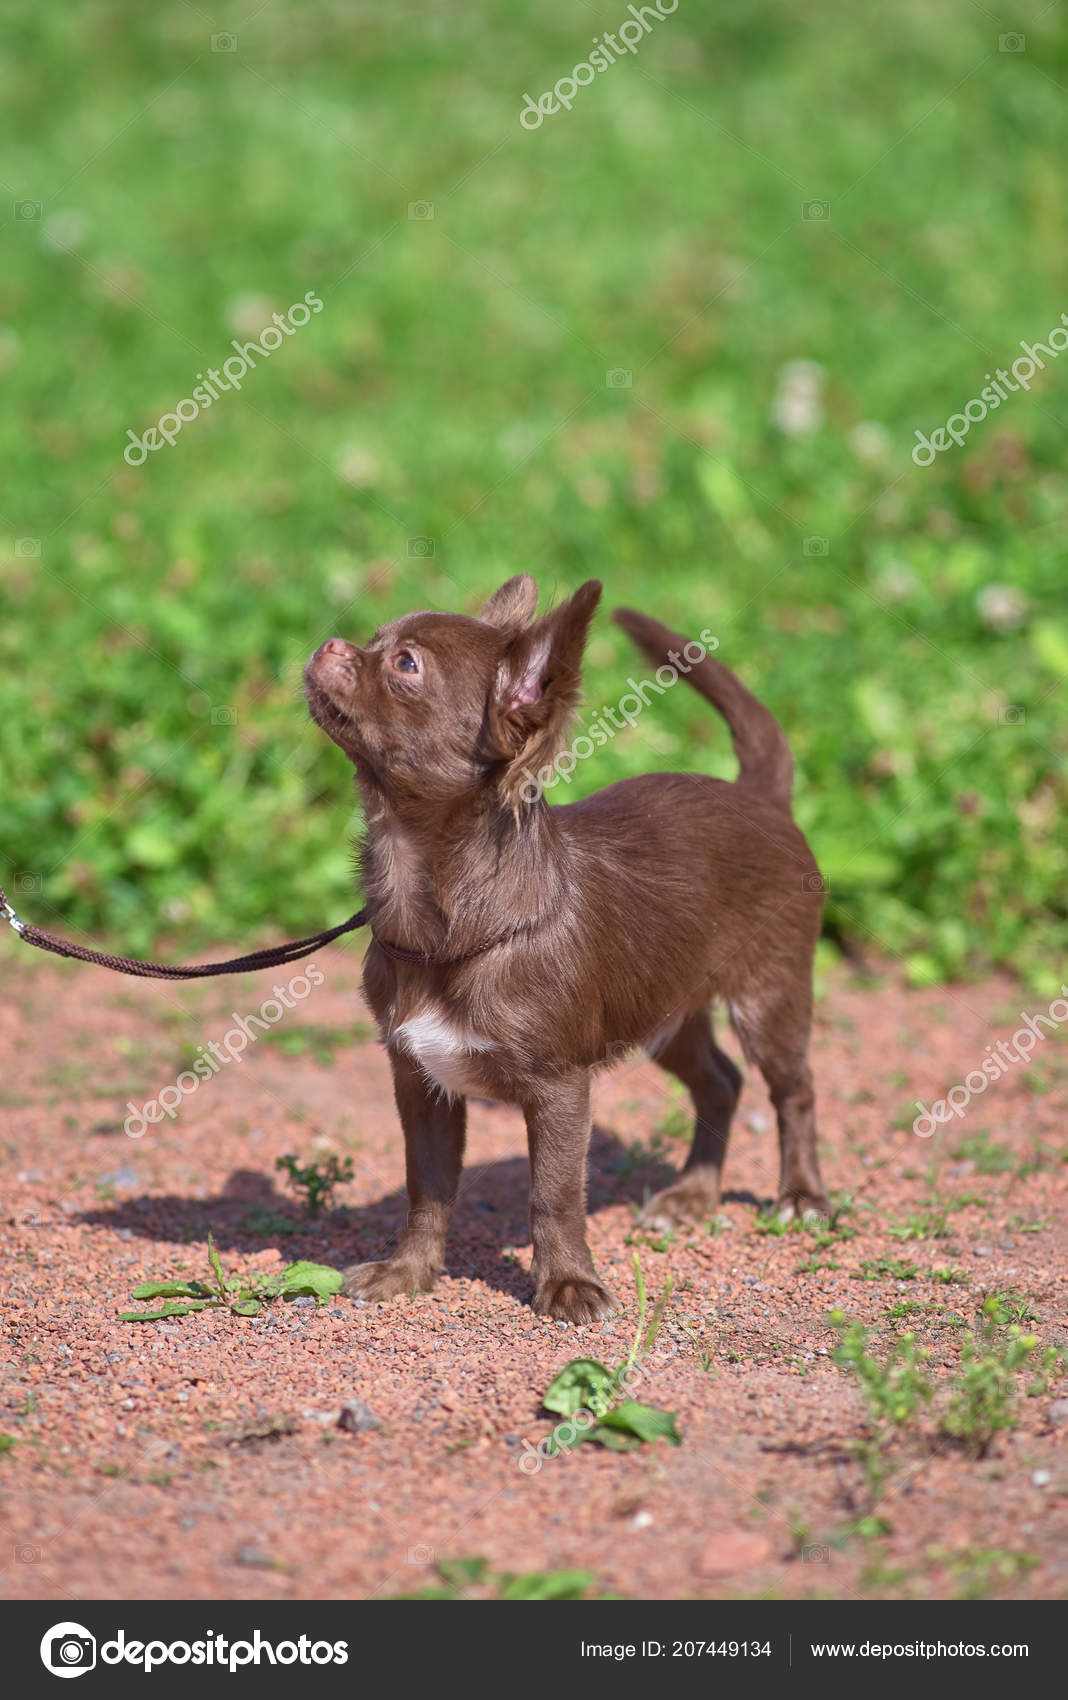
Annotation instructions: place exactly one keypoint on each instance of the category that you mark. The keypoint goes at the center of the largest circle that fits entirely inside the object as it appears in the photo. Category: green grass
(930, 1223)
(456, 1576)
(986, 1388)
(982, 1572)
(316, 1183)
(160, 774)
(886, 1269)
(894, 1389)
(323, 1042)
(929, 1311)
(989, 1157)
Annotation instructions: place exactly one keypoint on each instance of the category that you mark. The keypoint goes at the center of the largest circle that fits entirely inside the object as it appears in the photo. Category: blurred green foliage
(159, 774)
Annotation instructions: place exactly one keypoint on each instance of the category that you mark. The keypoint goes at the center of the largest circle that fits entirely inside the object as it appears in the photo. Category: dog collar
(431, 958)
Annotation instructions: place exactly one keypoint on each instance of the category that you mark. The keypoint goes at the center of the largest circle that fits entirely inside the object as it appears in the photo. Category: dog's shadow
(251, 1215)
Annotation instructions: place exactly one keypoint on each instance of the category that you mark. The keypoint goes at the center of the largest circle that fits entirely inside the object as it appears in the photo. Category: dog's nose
(337, 646)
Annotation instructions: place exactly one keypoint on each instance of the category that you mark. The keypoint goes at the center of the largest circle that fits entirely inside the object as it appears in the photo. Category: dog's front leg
(558, 1133)
(433, 1153)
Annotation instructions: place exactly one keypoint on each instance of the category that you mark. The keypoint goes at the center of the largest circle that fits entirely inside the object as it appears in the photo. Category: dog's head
(436, 706)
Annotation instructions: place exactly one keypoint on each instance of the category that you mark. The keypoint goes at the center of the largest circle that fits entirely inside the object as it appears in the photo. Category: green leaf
(462, 1572)
(923, 970)
(1050, 642)
(217, 1268)
(583, 1383)
(168, 1310)
(880, 708)
(216, 1264)
(246, 1307)
(728, 497)
(151, 847)
(556, 1585)
(844, 863)
(171, 1290)
(649, 1337)
(612, 1440)
(315, 1278)
(645, 1422)
(639, 1283)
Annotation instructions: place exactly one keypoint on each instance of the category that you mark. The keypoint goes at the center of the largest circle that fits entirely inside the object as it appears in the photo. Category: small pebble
(1041, 1478)
(1058, 1411)
(356, 1417)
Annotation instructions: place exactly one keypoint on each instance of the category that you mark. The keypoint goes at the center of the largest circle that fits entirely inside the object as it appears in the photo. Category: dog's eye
(404, 661)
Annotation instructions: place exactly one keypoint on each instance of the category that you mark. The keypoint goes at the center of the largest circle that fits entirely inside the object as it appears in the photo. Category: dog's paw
(377, 1281)
(573, 1299)
(803, 1207)
(686, 1204)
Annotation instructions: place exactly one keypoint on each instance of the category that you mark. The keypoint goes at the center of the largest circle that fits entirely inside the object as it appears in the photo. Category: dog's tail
(759, 741)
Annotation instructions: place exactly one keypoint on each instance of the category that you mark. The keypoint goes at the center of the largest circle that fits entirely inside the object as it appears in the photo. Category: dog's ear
(537, 687)
(514, 604)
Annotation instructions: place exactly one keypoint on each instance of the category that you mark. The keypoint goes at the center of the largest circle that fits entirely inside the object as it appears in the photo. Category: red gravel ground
(201, 1457)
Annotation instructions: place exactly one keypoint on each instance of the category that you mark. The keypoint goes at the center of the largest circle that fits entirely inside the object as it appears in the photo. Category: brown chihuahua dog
(518, 946)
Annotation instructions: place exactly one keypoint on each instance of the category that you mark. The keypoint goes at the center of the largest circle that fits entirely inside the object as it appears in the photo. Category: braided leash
(273, 957)
(270, 958)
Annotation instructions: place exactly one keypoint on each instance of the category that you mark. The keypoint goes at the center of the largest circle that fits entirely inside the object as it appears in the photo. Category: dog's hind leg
(692, 1055)
(775, 1035)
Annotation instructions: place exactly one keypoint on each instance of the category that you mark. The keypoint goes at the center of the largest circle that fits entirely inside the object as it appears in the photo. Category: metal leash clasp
(8, 914)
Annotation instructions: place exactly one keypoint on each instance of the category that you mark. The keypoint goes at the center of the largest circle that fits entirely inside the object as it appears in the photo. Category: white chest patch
(446, 1052)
